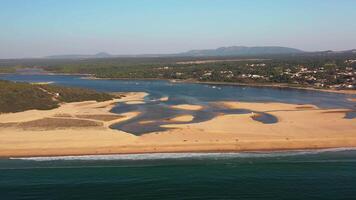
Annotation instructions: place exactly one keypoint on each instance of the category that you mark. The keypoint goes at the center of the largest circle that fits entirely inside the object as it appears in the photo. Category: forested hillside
(16, 97)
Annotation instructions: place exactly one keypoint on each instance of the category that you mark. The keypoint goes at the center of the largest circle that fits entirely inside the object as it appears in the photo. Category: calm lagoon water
(327, 174)
(196, 93)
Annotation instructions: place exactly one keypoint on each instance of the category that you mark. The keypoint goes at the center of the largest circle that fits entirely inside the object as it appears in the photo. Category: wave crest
(158, 156)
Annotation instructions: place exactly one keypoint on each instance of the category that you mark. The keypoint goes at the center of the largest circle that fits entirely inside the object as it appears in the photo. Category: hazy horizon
(44, 28)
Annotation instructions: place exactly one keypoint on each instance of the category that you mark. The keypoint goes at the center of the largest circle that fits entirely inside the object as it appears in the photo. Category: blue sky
(35, 28)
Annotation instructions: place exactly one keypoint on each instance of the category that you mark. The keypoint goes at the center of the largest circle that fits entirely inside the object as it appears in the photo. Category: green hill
(16, 97)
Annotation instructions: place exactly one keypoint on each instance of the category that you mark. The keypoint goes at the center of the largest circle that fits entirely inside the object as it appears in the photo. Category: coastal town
(326, 75)
(331, 73)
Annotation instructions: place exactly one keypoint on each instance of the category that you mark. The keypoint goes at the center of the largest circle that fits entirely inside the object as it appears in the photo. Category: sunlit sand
(84, 128)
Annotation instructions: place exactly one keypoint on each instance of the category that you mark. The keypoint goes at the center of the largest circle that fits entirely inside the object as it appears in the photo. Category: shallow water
(155, 114)
(160, 112)
(323, 174)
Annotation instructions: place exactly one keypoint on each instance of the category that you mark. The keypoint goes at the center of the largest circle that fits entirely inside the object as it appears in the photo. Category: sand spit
(42, 83)
(182, 118)
(58, 131)
(164, 99)
(135, 97)
(187, 107)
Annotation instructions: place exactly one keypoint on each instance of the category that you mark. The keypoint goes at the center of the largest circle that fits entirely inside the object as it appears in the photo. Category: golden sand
(187, 107)
(182, 118)
(164, 99)
(42, 83)
(298, 127)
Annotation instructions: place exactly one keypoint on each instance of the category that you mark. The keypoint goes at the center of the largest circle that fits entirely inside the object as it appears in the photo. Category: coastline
(282, 86)
(204, 148)
(227, 151)
(295, 130)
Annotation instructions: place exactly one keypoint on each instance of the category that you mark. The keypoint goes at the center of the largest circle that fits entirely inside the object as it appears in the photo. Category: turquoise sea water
(288, 175)
(325, 174)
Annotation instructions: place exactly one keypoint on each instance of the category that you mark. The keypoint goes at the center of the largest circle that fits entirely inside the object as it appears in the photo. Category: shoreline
(281, 86)
(271, 151)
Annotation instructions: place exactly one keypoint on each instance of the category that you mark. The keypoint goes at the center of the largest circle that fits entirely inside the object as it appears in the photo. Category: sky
(37, 28)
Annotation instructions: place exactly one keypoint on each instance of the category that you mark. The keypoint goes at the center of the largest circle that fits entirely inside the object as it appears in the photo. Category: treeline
(274, 69)
(330, 66)
(16, 96)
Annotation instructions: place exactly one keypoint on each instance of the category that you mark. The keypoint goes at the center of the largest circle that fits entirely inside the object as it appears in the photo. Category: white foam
(158, 156)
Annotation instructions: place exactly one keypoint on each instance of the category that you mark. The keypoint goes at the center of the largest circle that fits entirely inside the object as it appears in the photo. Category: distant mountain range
(79, 56)
(222, 51)
(243, 51)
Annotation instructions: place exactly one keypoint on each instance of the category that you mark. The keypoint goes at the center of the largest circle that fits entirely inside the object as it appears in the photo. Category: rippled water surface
(323, 174)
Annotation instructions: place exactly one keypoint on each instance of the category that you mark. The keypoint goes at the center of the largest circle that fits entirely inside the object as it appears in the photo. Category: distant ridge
(243, 51)
(79, 56)
(222, 51)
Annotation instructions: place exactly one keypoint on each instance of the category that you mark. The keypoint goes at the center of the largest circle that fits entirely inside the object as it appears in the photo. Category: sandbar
(298, 127)
(182, 118)
(187, 107)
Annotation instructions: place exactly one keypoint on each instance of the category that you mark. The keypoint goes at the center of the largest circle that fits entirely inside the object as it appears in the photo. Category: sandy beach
(84, 128)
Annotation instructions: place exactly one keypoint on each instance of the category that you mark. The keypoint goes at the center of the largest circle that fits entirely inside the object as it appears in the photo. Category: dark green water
(293, 175)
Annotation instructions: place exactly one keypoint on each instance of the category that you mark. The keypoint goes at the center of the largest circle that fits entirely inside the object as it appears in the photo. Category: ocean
(314, 174)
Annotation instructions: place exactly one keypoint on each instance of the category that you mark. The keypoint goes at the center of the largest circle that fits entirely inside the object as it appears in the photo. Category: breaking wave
(158, 156)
